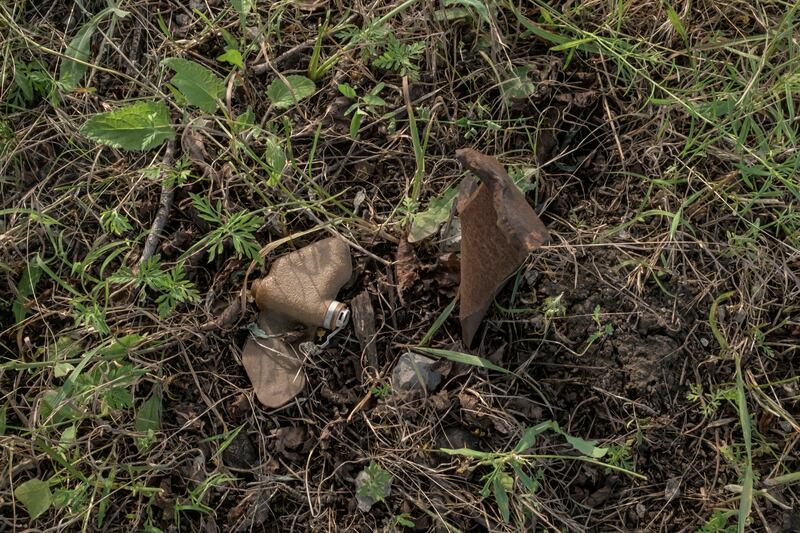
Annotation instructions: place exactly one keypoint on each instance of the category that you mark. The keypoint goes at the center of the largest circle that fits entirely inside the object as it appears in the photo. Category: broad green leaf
(148, 418)
(586, 447)
(200, 86)
(233, 57)
(149, 414)
(283, 97)
(243, 8)
(347, 90)
(518, 86)
(275, 158)
(374, 100)
(426, 223)
(67, 438)
(140, 126)
(530, 434)
(72, 71)
(121, 346)
(35, 496)
(501, 497)
(62, 369)
(467, 359)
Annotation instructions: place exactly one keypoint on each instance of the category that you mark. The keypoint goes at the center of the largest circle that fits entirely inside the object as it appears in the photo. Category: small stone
(672, 489)
(704, 342)
(413, 370)
(240, 453)
(358, 200)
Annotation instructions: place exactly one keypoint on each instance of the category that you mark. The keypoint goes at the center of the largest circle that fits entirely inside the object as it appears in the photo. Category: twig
(164, 207)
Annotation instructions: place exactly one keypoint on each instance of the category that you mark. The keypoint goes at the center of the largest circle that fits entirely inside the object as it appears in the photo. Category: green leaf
(675, 20)
(373, 100)
(73, 68)
(121, 346)
(62, 369)
(243, 8)
(283, 97)
(35, 496)
(3, 411)
(518, 86)
(426, 223)
(275, 158)
(148, 418)
(347, 90)
(466, 452)
(200, 86)
(501, 497)
(527, 482)
(378, 483)
(355, 123)
(437, 324)
(586, 447)
(232, 56)
(140, 126)
(467, 359)
(67, 438)
(477, 5)
(404, 519)
(25, 287)
(530, 434)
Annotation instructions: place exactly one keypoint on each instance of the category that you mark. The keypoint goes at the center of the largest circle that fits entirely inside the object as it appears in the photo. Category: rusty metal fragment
(498, 231)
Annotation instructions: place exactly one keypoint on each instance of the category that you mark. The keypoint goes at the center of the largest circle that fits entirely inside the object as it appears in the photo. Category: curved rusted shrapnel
(499, 229)
(299, 291)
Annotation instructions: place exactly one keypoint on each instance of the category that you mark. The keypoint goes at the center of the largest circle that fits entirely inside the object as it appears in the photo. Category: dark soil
(607, 330)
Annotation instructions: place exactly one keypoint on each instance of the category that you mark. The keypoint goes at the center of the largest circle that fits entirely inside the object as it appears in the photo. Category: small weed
(363, 106)
(505, 467)
(602, 330)
(381, 391)
(620, 455)
(171, 284)
(377, 483)
(402, 520)
(710, 401)
(32, 82)
(718, 523)
(115, 222)
(238, 228)
(401, 58)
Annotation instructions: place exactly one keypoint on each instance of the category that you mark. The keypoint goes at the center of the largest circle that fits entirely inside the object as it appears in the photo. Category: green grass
(673, 150)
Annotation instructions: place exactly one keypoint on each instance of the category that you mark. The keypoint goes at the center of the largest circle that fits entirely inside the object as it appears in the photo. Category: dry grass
(660, 142)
